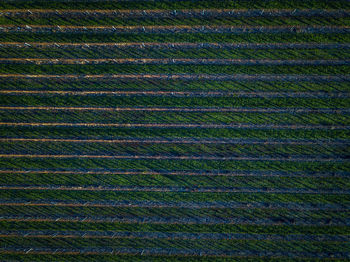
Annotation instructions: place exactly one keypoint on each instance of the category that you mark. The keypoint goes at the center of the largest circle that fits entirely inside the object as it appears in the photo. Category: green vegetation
(177, 37)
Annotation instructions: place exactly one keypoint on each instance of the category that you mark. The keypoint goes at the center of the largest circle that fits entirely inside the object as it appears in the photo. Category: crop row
(174, 181)
(146, 52)
(137, 117)
(162, 245)
(174, 20)
(176, 5)
(63, 84)
(151, 164)
(162, 235)
(106, 101)
(252, 197)
(52, 256)
(113, 133)
(195, 228)
(175, 37)
(172, 69)
(282, 216)
(167, 61)
(170, 149)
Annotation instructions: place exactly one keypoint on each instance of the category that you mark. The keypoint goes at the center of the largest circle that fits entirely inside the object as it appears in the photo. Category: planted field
(175, 130)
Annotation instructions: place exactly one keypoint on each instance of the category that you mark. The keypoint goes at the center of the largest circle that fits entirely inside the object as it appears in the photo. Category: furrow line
(183, 141)
(175, 221)
(183, 157)
(180, 189)
(159, 13)
(192, 205)
(168, 61)
(158, 125)
(174, 94)
(218, 77)
(184, 173)
(171, 252)
(179, 45)
(184, 109)
(173, 29)
(168, 235)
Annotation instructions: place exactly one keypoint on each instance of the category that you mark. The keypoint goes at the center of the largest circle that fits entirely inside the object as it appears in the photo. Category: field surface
(172, 130)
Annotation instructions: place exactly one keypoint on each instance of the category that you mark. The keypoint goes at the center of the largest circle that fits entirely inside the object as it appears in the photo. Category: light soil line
(157, 125)
(180, 173)
(175, 29)
(190, 205)
(179, 189)
(180, 45)
(177, 221)
(174, 93)
(171, 252)
(169, 235)
(167, 61)
(181, 141)
(183, 109)
(165, 157)
(174, 13)
(189, 77)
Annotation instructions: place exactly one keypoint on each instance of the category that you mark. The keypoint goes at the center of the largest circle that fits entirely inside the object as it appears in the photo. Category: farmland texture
(174, 130)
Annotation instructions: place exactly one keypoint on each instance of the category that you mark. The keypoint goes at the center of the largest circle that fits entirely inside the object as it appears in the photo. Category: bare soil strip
(169, 157)
(192, 205)
(156, 125)
(175, 13)
(184, 173)
(181, 189)
(174, 29)
(183, 109)
(221, 77)
(175, 221)
(179, 45)
(171, 252)
(174, 93)
(166, 61)
(167, 235)
(182, 141)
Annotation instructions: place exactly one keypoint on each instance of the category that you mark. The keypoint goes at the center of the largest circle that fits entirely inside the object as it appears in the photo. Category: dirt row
(183, 109)
(173, 252)
(181, 189)
(185, 173)
(311, 94)
(193, 205)
(156, 125)
(159, 13)
(185, 141)
(218, 77)
(168, 235)
(175, 221)
(166, 61)
(179, 45)
(173, 29)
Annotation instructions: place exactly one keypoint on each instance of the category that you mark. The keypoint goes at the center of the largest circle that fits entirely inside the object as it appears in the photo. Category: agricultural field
(168, 130)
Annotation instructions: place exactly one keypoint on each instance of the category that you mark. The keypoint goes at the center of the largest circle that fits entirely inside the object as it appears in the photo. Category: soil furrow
(174, 29)
(179, 189)
(180, 45)
(175, 61)
(233, 126)
(168, 235)
(182, 141)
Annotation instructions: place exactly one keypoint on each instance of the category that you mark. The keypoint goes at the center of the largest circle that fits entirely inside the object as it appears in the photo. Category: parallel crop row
(176, 181)
(106, 117)
(62, 84)
(146, 52)
(176, 37)
(113, 133)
